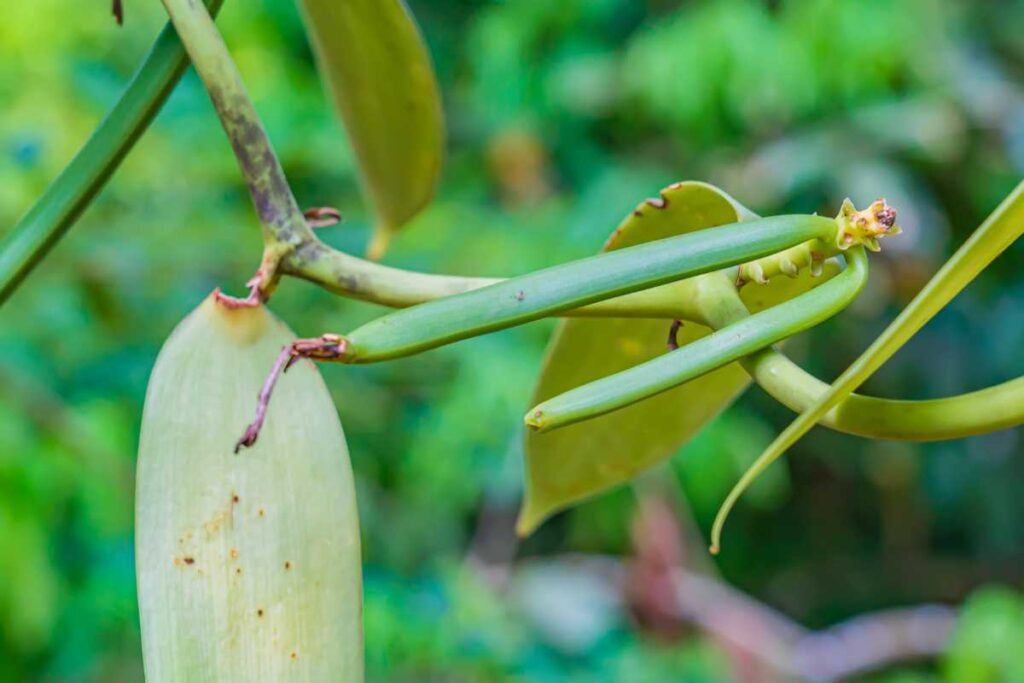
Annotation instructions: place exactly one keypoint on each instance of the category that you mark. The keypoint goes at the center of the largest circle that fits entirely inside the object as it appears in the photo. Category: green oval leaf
(578, 461)
(248, 565)
(378, 71)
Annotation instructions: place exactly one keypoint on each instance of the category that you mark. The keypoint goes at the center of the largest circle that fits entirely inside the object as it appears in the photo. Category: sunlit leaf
(986, 643)
(574, 462)
(248, 564)
(378, 71)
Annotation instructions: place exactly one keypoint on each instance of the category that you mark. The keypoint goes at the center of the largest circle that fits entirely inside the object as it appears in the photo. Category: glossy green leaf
(248, 565)
(580, 460)
(378, 71)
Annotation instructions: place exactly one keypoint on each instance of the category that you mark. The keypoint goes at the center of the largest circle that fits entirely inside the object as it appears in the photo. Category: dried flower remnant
(865, 227)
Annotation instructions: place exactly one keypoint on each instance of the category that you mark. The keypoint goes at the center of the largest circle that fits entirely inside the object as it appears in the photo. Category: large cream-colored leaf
(248, 565)
(568, 464)
(378, 71)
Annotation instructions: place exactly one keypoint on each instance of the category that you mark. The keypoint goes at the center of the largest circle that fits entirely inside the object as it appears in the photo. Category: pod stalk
(326, 347)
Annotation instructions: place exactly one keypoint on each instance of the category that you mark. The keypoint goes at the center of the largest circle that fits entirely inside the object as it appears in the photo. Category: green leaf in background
(378, 71)
(248, 565)
(572, 463)
(986, 646)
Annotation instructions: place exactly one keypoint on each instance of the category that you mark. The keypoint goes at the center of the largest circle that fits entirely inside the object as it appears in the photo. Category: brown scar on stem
(520, 295)
(254, 299)
(118, 11)
(324, 347)
(322, 216)
(673, 335)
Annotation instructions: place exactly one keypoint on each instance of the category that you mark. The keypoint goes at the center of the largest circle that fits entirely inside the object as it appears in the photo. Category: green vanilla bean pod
(248, 565)
(559, 288)
(703, 355)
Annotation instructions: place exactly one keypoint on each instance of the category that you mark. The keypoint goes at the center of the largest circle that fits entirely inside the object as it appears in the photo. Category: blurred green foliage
(986, 646)
(562, 115)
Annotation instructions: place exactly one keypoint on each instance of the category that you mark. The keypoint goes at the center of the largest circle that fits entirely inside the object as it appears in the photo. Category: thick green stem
(978, 412)
(954, 417)
(358, 278)
(578, 283)
(32, 238)
(284, 227)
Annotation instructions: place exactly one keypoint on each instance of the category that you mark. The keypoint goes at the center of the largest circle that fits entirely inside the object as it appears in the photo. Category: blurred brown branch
(763, 643)
(862, 644)
(665, 593)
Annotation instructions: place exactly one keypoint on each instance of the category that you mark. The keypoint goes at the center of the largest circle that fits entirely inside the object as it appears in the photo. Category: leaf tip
(527, 522)
(379, 244)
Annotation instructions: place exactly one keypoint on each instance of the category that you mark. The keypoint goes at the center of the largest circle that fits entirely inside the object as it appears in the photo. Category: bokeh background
(562, 116)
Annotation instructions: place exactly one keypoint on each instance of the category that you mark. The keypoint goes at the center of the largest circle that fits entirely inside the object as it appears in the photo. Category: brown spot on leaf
(657, 202)
(294, 655)
(259, 612)
(287, 565)
(261, 512)
(188, 559)
(234, 553)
